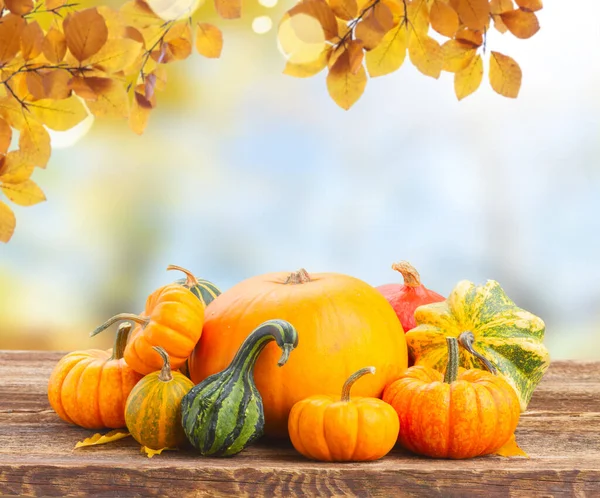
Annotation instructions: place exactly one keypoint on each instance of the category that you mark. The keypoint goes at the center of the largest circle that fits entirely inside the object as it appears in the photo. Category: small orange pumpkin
(89, 388)
(358, 429)
(173, 320)
(463, 414)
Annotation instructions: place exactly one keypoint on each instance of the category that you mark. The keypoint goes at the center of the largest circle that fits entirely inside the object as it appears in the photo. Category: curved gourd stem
(466, 340)
(409, 273)
(298, 277)
(121, 341)
(352, 379)
(123, 317)
(191, 279)
(453, 360)
(165, 373)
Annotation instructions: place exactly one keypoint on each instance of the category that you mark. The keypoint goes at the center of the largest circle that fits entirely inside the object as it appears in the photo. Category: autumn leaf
(138, 14)
(307, 69)
(505, 75)
(468, 80)
(11, 27)
(520, 23)
(85, 32)
(229, 9)
(178, 42)
(5, 136)
(443, 18)
(150, 452)
(116, 55)
(473, 13)
(344, 87)
(344, 9)
(426, 55)
(19, 7)
(26, 193)
(111, 99)
(417, 18)
(139, 113)
(389, 55)
(60, 115)
(530, 5)
(469, 36)
(374, 25)
(34, 144)
(457, 55)
(54, 46)
(97, 439)
(54, 4)
(500, 6)
(32, 40)
(16, 167)
(7, 222)
(209, 40)
(319, 10)
(511, 449)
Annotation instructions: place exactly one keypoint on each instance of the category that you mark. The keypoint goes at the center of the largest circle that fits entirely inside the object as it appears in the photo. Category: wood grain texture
(560, 431)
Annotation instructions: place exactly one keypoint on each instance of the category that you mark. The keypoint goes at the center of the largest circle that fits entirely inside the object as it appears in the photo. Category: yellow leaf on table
(7, 222)
(345, 87)
(112, 101)
(229, 9)
(374, 26)
(59, 115)
(5, 136)
(520, 23)
(209, 40)
(531, 5)
(474, 14)
(26, 193)
(32, 39)
(457, 55)
(319, 10)
(426, 55)
(150, 452)
(511, 449)
(505, 75)
(86, 33)
(19, 7)
(116, 55)
(467, 80)
(11, 27)
(54, 46)
(443, 18)
(15, 167)
(307, 69)
(97, 439)
(34, 143)
(344, 9)
(389, 55)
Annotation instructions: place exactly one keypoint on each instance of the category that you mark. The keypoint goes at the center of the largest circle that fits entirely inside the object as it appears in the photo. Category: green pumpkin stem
(352, 379)
(298, 277)
(466, 340)
(453, 360)
(121, 341)
(191, 279)
(409, 273)
(123, 317)
(165, 373)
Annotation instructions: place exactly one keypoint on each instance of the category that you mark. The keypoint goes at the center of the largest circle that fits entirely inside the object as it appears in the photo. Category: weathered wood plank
(561, 433)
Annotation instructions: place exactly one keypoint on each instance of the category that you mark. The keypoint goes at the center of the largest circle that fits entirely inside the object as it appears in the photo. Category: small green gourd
(223, 414)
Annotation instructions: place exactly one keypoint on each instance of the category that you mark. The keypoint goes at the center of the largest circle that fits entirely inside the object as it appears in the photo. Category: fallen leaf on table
(97, 439)
(511, 449)
(150, 452)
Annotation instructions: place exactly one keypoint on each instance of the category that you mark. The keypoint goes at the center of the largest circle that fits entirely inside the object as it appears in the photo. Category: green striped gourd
(203, 289)
(496, 334)
(153, 408)
(224, 413)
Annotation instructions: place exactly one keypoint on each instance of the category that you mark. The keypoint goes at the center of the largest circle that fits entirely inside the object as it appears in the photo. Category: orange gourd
(462, 414)
(89, 388)
(343, 324)
(172, 319)
(347, 430)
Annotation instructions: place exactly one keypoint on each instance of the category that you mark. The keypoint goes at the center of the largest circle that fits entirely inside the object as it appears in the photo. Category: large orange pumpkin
(343, 324)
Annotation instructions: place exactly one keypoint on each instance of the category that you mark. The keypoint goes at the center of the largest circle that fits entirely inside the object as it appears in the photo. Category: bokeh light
(262, 25)
(301, 38)
(268, 3)
(171, 10)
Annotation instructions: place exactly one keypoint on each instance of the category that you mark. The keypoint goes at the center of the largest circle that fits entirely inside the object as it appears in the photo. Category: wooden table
(561, 433)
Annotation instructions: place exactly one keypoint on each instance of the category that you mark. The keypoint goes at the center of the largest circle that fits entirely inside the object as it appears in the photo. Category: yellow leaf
(178, 42)
(54, 46)
(116, 55)
(11, 27)
(319, 10)
(112, 101)
(34, 143)
(474, 14)
(11, 111)
(85, 32)
(138, 14)
(520, 23)
(301, 38)
(356, 55)
(469, 36)
(150, 452)
(389, 55)
(505, 75)
(374, 25)
(417, 18)
(344, 87)
(19, 7)
(426, 55)
(444, 18)
(7, 222)
(468, 80)
(209, 40)
(26, 193)
(15, 167)
(511, 449)
(344, 9)
(97, 439)
(32, 39)
(457, 55)
(139, 114)
(307, 69)
(229, 9)
(5, 136)
(59, 115)
(500, 6)
(530, 5)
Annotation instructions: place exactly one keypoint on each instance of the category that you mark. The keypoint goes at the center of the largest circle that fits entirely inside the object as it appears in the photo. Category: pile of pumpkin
(278, 354)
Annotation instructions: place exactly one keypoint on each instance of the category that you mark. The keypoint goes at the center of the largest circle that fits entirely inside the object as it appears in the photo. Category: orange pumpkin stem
(453, 360)
(121, 341)
(191, 278)
(129, 317)
(298, 277)
(466, 340)
(165, 373)
(352, 379)
(409, 273)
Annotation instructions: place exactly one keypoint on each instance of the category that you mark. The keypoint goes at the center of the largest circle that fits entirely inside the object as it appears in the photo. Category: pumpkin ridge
(57, 390)
(98, 410)
(490, 445)
(77, 373)
(450, 423)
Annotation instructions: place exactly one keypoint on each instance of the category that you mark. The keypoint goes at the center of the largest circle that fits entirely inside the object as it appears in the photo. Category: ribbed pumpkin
(462, 414)
(343, 430)
(89, 388)
(153, 409)
(173, 319)
(508, 336)
(203, 289)
(224, 413)
(343, 324)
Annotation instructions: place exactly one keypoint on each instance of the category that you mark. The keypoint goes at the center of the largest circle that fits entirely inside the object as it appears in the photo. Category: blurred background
(243, 170)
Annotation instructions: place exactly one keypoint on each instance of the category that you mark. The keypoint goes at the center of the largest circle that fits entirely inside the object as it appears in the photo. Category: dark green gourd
(223, 414)
(203, 289)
